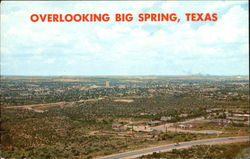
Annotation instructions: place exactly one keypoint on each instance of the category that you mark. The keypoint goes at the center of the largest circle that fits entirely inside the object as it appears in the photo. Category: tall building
(107, 84)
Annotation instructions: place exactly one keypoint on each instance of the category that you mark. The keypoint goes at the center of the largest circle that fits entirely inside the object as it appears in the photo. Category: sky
(125, 48)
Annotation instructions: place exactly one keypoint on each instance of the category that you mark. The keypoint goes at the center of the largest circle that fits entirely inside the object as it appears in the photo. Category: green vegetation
(179, 137)
(228, 151)
(83, 129)
(66, 131)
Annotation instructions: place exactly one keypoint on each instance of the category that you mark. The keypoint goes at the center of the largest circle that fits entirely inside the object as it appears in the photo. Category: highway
(162, 148)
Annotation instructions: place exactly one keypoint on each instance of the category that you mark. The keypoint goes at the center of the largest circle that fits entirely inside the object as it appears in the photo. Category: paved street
(137, 153)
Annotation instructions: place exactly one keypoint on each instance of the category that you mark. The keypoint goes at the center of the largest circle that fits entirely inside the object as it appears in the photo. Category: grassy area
(227, 129)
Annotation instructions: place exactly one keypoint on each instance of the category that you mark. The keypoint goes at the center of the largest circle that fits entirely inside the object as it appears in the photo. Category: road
(137, 153)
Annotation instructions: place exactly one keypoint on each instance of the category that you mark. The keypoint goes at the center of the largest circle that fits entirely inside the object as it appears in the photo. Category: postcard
(125, 79)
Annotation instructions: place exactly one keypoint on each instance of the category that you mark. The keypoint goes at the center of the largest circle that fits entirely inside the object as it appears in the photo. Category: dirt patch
(124, 100)
(40, 108)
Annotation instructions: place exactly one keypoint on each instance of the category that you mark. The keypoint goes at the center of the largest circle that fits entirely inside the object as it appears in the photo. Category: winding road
(163, 148)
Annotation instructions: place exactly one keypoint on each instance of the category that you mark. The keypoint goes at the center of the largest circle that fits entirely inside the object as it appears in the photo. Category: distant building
(183, 115)
(213, 110)
(94, 86)
(116, 125)
(154, 123)
(164, 118)
(185, 126)
(121, 86)
(107, 84)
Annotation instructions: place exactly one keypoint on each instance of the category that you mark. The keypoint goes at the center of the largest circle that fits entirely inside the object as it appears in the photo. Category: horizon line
(205, 75)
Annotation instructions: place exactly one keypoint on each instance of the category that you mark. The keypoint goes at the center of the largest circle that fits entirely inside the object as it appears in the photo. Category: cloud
(125, 48)
(229, 29)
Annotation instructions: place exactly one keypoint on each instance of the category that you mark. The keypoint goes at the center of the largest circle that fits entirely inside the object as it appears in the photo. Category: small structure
(107, 84)
(154, 123)
(213, 110)
(119, 127)
(183, 115)
(116, 126)
(121, 86)
(94, 86)
(185, 126)
(142, 128)
(163, 118)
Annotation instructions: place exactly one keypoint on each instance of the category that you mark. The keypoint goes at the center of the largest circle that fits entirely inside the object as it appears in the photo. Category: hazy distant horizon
(195, 75)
